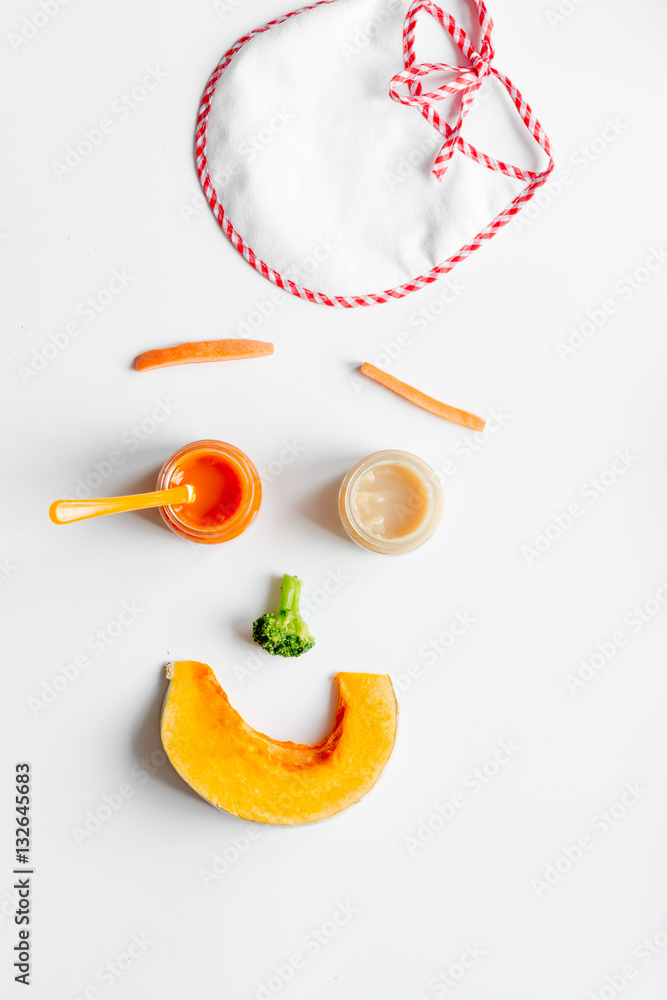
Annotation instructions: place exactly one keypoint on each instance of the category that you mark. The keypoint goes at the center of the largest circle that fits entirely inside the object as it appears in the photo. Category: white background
(491, 348)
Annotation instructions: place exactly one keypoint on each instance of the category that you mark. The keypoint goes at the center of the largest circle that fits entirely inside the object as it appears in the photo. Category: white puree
(390, 501)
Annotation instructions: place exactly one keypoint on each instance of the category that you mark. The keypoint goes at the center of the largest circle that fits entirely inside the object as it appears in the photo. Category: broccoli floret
(285, 633)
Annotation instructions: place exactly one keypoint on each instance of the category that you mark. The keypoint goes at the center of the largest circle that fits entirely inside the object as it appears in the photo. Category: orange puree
(217, 485)
(227, 491)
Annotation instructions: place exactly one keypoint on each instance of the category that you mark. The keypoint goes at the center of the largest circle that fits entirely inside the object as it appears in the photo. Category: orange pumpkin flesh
(257, 778)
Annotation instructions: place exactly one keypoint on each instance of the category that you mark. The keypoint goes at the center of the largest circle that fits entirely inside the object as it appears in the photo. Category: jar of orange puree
(227, 491)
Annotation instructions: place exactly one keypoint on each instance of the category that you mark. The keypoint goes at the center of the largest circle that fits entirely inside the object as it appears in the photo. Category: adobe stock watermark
(192, 209)
(289, 453)
(129, 441)
(263, 309)
(390, 350)
(636, 619)
(311, 944)
(591, 491)
(8, 904)
(560, 14)
(644, 953)
(110, 972)
(96, 643)
(368, 30)
(32, 24)
(225, 7)
(87, 311)
(255, 143)
(444, 981)
(470, 445)
(599, 826)
(7, 569)
(580, 160)
(309, 605)
(224, 859)
(249, 148)
(623, 290)
(420, 156)
(111, 802)
(417, 157)
(472, 784)
(313, 600)
(430, 652)
(120, 110)
(258, 141)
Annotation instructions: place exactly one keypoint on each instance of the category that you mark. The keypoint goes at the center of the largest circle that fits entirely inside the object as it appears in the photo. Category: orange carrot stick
(203, 350)
(421, 399)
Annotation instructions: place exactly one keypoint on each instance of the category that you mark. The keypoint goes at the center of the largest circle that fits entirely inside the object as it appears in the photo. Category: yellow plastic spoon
(64, 511)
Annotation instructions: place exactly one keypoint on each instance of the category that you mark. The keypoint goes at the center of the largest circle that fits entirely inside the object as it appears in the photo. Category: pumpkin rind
(246, 773)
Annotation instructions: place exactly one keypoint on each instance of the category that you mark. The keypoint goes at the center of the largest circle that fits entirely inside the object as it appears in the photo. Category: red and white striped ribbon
(407, 88)
(472, 76)
(467, 81)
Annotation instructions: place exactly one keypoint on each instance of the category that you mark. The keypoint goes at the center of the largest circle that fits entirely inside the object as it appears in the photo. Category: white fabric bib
(334, 159)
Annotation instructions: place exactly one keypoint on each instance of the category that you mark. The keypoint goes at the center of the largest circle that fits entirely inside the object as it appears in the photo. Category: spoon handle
(64, 511)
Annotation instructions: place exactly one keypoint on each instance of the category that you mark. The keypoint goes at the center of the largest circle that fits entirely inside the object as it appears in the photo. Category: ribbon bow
(467, 79)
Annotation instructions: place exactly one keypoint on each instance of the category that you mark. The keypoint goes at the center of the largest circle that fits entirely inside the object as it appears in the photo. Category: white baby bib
(334, 160)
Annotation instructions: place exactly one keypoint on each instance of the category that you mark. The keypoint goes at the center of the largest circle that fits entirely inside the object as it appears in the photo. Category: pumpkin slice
(248, 774)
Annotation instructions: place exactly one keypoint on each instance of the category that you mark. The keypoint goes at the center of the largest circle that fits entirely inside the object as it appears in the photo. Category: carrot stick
(203, 350)
(421, 399)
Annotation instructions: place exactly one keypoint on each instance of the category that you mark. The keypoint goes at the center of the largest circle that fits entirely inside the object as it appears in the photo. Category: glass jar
(390, 502)
(229, 494)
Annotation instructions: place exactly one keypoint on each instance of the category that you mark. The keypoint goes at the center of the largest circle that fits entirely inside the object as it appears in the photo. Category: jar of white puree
(390, 502)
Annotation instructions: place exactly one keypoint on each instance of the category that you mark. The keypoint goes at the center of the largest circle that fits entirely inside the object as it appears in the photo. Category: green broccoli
(285, 633)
